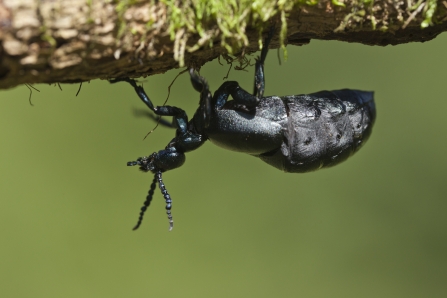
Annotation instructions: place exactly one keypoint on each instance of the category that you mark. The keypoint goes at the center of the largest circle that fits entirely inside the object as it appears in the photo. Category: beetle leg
(140, 91)
(165, 123)
(199, 83)
(161, 121)
(239, 95)
(180, 117)
(259, 84)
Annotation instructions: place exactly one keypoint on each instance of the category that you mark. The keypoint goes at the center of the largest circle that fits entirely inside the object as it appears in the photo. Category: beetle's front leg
(138, 89)
(180, 117)
(160, 120)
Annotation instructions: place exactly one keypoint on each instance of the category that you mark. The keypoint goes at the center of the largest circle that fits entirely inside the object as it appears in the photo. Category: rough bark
(69, 41)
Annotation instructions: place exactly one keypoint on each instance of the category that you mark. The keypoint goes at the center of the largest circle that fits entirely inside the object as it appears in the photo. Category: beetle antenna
(135, 162)
(167, 198)
(147, 202)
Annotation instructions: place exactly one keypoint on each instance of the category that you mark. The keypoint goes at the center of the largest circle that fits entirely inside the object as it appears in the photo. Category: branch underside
(71, 41)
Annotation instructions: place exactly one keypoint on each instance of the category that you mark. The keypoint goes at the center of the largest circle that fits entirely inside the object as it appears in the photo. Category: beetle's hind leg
(200, 85)
(259, 84)
(240, 96)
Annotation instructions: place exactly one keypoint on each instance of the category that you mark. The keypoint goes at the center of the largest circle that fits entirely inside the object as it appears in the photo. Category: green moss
(428, 12)
(228, 20)
(231, 18)
(46, 36)
(338, 3)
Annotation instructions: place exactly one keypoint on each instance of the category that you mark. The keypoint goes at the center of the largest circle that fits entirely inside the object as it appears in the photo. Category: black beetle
(297, 133)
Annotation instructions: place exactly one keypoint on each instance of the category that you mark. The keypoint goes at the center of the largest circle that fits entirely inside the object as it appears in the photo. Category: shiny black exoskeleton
(297, 133)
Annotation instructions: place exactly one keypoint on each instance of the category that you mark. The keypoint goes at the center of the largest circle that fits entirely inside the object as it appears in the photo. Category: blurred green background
(374, 226)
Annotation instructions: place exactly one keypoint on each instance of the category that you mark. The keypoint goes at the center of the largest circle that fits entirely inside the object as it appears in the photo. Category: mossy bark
(68, 41)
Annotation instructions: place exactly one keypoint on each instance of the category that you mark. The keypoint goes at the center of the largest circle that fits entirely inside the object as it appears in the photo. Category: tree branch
(67, 41)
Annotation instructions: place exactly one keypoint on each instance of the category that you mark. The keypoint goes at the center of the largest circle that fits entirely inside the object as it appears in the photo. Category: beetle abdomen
(323, 129)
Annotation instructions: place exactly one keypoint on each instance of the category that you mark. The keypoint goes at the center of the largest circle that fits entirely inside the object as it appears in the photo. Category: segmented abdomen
(323, 129)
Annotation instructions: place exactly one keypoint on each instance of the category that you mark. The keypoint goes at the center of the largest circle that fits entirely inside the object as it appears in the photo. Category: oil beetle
(296, 133)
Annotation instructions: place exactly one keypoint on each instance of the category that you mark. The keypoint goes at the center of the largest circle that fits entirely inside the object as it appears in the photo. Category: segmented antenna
(143, 162)
(135, 162)
(167, 197)
(147, 202)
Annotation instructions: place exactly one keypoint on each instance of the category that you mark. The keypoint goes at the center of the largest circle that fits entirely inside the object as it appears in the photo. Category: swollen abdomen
(323, 129)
